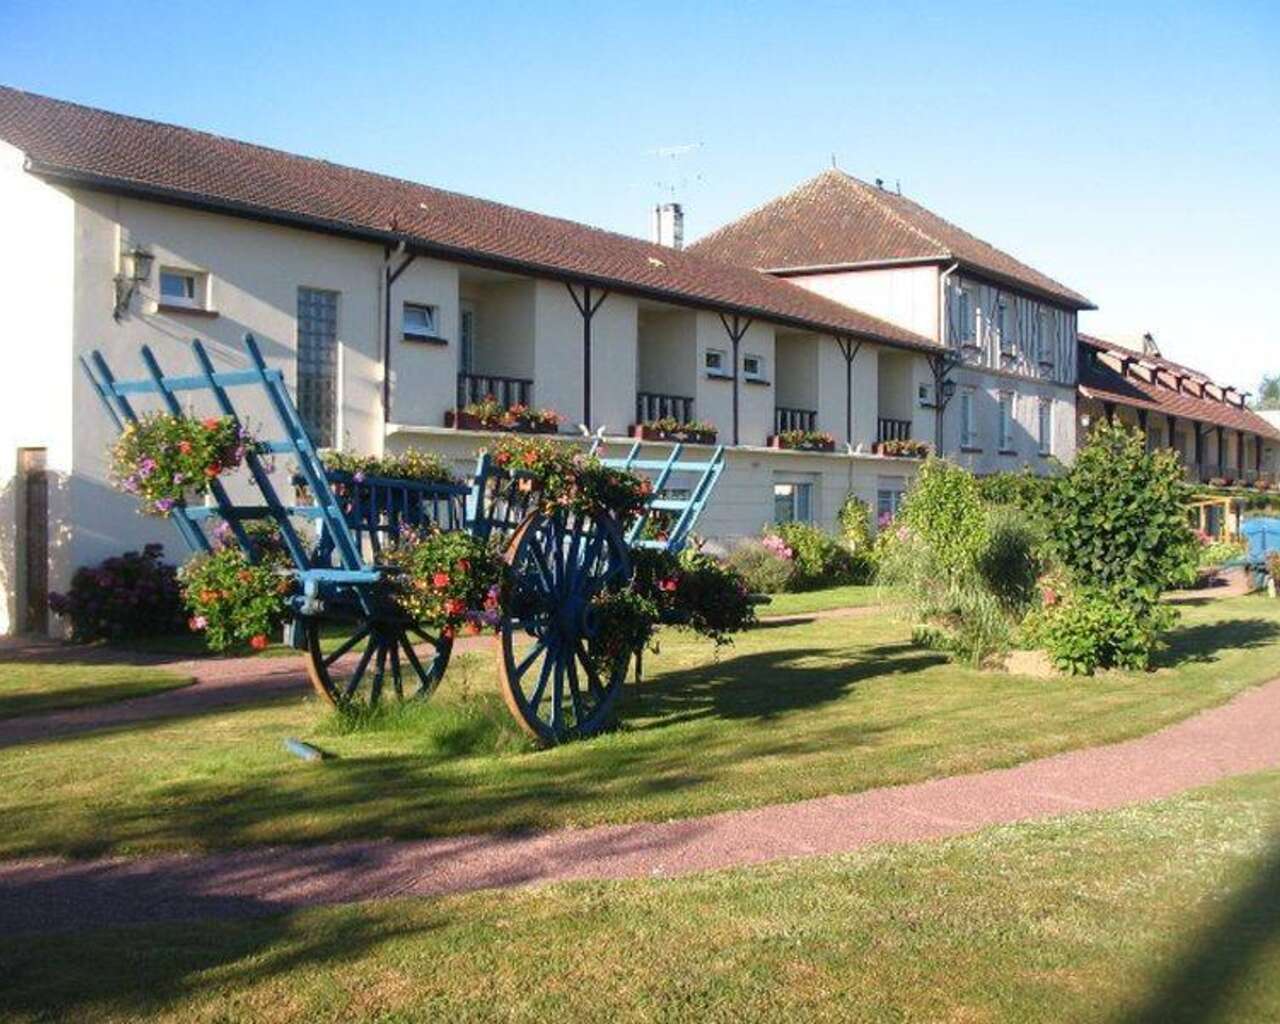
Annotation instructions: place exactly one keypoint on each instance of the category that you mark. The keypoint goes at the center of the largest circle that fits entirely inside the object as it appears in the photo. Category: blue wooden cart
(359, 645)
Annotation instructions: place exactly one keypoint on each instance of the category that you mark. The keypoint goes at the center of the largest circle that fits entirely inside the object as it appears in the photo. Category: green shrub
(764, 571)
(819, 560)
(855, 523)
(1217, 552)
(1119, 516)
(1022, 489)
(944, 510)
(126, 597)
(1094, 629)
(1010, 564)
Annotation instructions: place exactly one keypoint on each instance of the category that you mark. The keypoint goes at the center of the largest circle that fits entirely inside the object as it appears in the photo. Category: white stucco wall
(668, 354)
(36, 281)
(906, 296)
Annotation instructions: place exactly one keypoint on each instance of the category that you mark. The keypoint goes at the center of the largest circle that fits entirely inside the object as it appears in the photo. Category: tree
(1268, 393)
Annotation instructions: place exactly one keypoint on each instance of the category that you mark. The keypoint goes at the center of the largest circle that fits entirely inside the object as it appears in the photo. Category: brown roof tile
(1102, 382)
(837, 220)
(68, 142)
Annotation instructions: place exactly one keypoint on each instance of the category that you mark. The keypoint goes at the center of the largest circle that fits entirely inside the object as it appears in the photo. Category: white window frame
(720, 355)
(199, 288)
(431, 332)
(1044, 426)
(801, 494)
(760, 371)
(969, 418)
(1008, 417)
(967, 313)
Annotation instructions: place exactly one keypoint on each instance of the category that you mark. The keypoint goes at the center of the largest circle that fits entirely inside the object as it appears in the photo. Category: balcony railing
(652, 405)
(892, 430)
(794, 419)
(475, 387)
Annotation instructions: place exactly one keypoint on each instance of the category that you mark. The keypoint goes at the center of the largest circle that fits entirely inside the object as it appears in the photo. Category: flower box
(903, 449)
(688, 434)
(460, 419)
(813, 442)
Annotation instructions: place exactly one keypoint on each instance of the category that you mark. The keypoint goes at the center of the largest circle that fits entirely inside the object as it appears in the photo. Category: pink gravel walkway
(1239, 737)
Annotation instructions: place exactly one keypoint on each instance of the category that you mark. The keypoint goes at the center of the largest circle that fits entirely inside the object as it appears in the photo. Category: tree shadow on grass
(1203, 643)
(1199, 985)
(766, 684)
(139, 971)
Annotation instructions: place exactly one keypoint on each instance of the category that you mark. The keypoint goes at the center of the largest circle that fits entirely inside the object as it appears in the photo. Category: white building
(1006, 333)
(384, 301)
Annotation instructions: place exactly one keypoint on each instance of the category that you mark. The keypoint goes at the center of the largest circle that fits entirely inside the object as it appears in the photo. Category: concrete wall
(36, 287)
(504, 326)
(667, 354)
(906, 296)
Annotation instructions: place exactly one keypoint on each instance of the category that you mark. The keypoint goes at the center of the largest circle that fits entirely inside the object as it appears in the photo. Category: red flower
(473, 628)
(184, 447)
(259, 641)
(212, 470)
(245, 576)
(440, 580)
(1050, 597)
(464, 565)
(502, 458)
(530, 457)
(211, 423)
(454, 607)
(668, 585)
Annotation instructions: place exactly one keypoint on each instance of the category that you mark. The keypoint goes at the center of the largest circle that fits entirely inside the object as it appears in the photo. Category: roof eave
(1076, 302)
(140, 190)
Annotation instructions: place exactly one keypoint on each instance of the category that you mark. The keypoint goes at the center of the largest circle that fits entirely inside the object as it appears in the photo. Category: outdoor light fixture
(948, 389)
(135, 268)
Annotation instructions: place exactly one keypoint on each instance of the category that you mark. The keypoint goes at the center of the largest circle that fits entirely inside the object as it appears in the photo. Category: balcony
(653, 405)
(785, 419)
(509, 391)
(888, 429)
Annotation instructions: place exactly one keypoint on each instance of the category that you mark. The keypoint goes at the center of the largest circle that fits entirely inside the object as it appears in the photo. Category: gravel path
(1239, 737)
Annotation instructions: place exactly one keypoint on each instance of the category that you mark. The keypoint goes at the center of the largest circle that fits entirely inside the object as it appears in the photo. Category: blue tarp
(1261, 537)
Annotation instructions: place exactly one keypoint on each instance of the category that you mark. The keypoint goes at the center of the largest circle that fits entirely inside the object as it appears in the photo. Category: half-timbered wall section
(1000, 329)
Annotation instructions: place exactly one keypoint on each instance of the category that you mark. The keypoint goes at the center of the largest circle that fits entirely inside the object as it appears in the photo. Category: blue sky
(1130, 150)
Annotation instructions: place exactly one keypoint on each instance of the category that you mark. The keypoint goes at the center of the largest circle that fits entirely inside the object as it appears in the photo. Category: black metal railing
(651, 405)
(475, 387)
(794, 419)
(892, 430)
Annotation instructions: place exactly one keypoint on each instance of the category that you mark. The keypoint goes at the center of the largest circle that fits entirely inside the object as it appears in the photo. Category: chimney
(668, 225)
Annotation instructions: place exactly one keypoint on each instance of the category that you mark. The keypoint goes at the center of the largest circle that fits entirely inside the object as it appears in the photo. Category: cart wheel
(392, 656)
(559, 564)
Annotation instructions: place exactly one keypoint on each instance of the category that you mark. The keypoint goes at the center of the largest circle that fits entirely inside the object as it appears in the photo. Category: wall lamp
(135, 268)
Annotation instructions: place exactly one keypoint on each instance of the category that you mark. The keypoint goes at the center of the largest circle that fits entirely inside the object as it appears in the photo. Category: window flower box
(490, 414)
(802, 441)
(669, 429)
(903, 448)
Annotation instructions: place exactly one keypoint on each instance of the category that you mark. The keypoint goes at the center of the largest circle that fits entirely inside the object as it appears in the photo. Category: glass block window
(318, 364)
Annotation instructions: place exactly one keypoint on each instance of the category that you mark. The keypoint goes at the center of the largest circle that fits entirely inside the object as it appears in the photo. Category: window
(714, 361)
(967, 314)
(1006, 421)
(1044, 337)
(753, 367)
(421, 323)
(968, 418)
(1000, 324)
(1046, 427)
(181, 288)
(318, 364)
(888, 502)
(793, 503)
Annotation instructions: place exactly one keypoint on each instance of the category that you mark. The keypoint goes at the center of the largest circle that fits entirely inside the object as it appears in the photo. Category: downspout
(942, 340)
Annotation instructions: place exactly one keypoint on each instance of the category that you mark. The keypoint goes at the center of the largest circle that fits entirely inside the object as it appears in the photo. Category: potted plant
(803, 441)
(668, 428)
(904, 448)
(490, 414)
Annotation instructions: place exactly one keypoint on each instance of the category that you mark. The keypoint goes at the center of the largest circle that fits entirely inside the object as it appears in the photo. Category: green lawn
(27, 688)
(788, 712)
(824, 600)
(1167, 914)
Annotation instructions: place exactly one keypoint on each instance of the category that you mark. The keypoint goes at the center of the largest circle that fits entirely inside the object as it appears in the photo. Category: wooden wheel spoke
(593, 677)
(547, 664)
(354, 682)
(346, 645)
(575, 692)
(523, 667)
(396, 682)
(557, 695)
(426, 680)
(375, 688)
(434, 641)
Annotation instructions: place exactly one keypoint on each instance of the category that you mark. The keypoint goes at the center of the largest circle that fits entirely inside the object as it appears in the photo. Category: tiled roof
(835, 220)
(82, 145)
(1100, 381)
